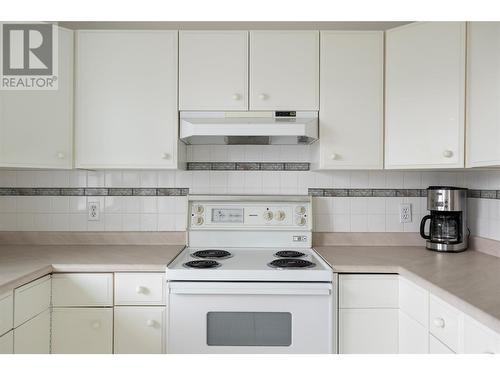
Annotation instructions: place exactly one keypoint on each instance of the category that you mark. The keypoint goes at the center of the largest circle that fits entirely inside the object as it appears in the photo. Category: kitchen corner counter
(20, 264)
(469, 281)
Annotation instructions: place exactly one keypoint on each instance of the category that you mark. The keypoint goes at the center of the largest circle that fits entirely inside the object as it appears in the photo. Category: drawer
(368, 291)
(6, 312)
(33, 337)
(139, 289)
(437, 347)
(139, 330)
(414, 301)
(479, 339)
(77, 330)
(444, 322)
(7, 343)
(82, 289)
(31, 299)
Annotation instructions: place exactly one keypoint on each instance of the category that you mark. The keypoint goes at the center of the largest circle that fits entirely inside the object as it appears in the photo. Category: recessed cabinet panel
(126, 99)
(284, 70)
(351, 100)
(213, 70)
(36, 126)
(425, 95)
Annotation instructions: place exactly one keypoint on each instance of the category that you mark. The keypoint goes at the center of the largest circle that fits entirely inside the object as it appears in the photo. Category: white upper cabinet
(483, 94)
(284, 70)
(126, 99)
(351, 100)
(213, 70)
(425, 99)
(36, 127)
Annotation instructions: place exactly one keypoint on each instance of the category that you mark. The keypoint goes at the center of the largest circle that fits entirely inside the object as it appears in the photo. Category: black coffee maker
(448, 231)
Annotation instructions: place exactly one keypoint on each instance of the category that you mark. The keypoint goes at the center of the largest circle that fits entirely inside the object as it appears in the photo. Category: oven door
(250, 317)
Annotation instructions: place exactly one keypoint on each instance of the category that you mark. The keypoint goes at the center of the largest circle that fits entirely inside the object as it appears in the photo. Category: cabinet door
(213, 70)
(437, 347)
(483, 94)
(7, 343)
(479, 339)
(6, 312)
(31, 299)
(284, 70)
(425, 79)
(351, 100)
(33, 337)
(82, 289)
(126, 99)
(36, 127)
(139, 330)
(368, 331)
(139, 288)
(413, 336)
(82, 330)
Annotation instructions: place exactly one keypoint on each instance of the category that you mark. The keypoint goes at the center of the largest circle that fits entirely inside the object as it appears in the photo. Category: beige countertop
(20, 264)
(470, 280)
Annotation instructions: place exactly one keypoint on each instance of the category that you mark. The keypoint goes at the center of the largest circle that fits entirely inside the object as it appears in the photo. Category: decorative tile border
(246, 166)
(326, 192)
(145, 192)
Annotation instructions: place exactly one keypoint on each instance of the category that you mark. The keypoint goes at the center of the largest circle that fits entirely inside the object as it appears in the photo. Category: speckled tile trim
(326, 192)
(55, 192)
(247, 166)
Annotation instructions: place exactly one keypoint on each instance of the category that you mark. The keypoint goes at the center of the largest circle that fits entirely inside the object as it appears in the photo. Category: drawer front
(6, 312)
(479, 339)
(444, 322)
(368, 291)
(139, 330)
(31, 299)
(82, 289)
(82, 330)
(139, 289)
(437, 347)
(33, 337)
(7, 343)
(414, 301)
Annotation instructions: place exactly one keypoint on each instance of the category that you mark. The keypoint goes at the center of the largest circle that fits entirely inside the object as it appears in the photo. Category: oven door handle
(254, 290)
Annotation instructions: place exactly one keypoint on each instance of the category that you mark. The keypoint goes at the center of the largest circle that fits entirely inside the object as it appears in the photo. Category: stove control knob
(280, 215)
(299, 220)
(300, 210)
(198, 220)
(268, 216)
(198, 210)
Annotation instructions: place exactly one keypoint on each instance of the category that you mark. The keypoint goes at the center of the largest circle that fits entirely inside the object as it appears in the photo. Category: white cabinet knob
(439, 322)
(165, 156)
(333, 156)
(96, 325)
(236, 96)
(447, 153)
(150, 323)
(141, 290)
(262, 96)
(61, 155)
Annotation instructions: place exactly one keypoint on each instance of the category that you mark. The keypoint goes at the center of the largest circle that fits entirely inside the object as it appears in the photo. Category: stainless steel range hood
(249, 128)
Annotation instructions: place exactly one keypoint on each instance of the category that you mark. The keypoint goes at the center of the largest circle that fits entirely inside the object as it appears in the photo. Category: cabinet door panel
(479, 339)
(284, 70)
(213, 70)
(425, 81)
(33, 337)
(351, 100)
(6, 312)
(139, 330)
(139, 288)
(361, 291)
(7, 343)
(36, 127)
(31, 299)
(414, 301)
(445, 322)
(82, 330)
(437, 347)
(413, 336)
(368, 331)
(82, 289)
(126, 99)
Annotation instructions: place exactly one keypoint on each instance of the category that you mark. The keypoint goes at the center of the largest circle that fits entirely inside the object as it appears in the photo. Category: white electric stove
(249, 281)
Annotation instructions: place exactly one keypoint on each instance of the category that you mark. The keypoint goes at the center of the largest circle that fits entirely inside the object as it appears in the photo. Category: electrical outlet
(405, 213)
(93, 211)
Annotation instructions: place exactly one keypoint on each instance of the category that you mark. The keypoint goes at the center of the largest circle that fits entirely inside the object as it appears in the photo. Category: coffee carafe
(448, 229)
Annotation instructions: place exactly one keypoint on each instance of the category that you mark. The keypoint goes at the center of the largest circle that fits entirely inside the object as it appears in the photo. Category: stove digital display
(227, 215)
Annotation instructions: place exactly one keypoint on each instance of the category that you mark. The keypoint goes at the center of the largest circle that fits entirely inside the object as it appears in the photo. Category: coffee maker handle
(422, 227)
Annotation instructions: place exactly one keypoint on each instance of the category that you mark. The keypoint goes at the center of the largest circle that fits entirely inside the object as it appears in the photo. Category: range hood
(249, 128)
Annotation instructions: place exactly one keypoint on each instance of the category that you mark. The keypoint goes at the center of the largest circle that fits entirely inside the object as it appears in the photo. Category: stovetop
(249, 264)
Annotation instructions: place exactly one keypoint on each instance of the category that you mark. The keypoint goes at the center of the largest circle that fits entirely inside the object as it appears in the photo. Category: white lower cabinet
(413, 337)
(82, 330)
(437, 347)
(139, 329)
(7, 343)
(33, 337)
(479, 339)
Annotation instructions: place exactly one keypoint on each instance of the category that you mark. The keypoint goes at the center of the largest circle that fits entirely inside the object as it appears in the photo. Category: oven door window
(249, 328)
